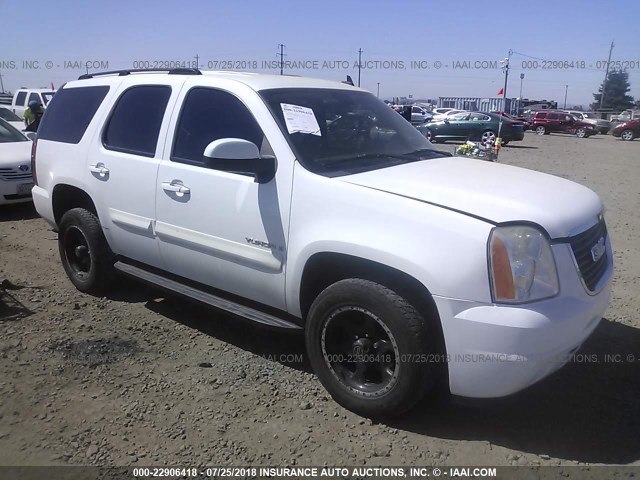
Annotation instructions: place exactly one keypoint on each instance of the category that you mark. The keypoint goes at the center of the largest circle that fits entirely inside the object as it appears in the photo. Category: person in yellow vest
(32, 115)
(32, 112)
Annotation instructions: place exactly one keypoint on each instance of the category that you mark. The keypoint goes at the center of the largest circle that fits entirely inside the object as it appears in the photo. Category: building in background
(495, 104)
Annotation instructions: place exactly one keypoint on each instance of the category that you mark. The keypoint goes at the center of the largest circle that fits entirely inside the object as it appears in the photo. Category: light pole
(566, 89)
(520, 105)
(378, 89)
(505, 69)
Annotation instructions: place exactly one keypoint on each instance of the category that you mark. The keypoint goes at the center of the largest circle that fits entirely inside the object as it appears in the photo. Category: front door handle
(99, 168)
(176, 187)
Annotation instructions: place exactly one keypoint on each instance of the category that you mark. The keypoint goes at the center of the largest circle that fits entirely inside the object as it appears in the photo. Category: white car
(441, 110)
(11, 118)
(448, 115)
(307, 204)
(15, 165)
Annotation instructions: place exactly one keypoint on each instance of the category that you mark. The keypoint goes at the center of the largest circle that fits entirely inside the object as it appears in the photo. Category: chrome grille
(10, 174)
(582, 246)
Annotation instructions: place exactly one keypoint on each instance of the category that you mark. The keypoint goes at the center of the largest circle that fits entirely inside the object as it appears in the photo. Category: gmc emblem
(597, 251)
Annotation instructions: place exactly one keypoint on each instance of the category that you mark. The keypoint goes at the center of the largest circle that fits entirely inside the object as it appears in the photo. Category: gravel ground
(136, 378)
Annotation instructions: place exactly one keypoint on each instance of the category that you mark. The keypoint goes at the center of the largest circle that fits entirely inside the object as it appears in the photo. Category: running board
(206, 298)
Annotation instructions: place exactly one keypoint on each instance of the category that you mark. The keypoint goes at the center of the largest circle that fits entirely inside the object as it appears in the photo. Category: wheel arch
(326, 268)
(65, 197)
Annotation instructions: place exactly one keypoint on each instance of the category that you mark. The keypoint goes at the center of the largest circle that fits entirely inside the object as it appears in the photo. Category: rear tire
(369, 346)
(627, 135)
(540, 130)
(488, 137)
(84, 251)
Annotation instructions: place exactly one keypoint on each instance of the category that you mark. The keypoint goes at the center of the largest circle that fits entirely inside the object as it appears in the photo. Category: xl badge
(597, 251)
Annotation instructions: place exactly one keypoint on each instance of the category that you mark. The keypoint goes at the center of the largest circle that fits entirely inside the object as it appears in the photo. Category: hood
(492, 191)
(15, 153)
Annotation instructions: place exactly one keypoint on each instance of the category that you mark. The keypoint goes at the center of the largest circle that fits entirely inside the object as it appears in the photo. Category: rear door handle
(176, 187)
(99, 168)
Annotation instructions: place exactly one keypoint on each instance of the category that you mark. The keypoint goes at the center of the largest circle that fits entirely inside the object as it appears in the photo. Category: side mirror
(239, 156)
(31, 136)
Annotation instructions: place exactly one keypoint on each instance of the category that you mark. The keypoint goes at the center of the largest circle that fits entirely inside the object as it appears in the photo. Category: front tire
(84, 251)
(627, 135)
(581, 133)
(368, 346)
(428, 134)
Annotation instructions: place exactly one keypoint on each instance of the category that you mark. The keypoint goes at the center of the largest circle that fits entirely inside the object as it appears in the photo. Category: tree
(616, 86)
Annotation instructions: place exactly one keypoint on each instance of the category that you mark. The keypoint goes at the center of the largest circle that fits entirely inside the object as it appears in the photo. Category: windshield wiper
(430, 151)
(356, 158)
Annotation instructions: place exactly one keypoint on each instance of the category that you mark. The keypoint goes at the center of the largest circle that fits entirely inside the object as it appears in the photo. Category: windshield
(47, 96)
(590, 115)
(9, 134)
(9, 116)
(339, 132)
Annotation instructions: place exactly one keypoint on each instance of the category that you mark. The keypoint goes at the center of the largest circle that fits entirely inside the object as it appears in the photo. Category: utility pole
(566, 88)
(281, 55)
(378, 89)
(505, 69)
(1, 83)
(520, 104)
(197, 61)
(359, 64)
(606, 74)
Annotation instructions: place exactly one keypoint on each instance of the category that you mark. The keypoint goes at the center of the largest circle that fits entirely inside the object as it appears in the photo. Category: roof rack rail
(122, 73)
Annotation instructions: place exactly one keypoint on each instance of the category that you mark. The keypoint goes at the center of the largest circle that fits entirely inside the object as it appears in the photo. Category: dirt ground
(139, 379)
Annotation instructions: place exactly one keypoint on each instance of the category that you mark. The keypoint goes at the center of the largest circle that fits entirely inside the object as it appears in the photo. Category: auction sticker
(300, 119)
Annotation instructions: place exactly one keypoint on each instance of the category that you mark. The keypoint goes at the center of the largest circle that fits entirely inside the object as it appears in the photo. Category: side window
(135, 122)
(20, 98)
(553, 116)
(34, 97)
(541, 115)
(208, 115)
(70, 112)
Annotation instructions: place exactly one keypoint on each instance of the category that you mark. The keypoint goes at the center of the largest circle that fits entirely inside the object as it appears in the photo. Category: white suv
(306, 204)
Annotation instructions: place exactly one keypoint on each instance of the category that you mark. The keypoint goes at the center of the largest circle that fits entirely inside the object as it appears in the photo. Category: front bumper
(496, 350)
(12, 191)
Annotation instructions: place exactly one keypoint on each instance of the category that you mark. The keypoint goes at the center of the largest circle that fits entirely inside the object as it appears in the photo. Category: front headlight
(521, 265)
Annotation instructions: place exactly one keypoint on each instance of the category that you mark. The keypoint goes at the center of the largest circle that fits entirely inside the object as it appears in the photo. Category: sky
(426, 49)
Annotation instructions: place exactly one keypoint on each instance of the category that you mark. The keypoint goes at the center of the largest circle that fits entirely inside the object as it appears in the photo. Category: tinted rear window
(134, 125)
(70, 112)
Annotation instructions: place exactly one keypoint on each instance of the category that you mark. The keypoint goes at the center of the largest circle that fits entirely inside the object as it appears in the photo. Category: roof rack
(122, 73)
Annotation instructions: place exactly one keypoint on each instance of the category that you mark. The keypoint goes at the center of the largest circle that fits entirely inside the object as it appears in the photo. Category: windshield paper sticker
(300, 119)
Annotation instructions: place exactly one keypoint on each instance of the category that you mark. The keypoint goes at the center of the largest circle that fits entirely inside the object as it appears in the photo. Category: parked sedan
(477, 126)
(7, 115)
(627, 130)
(15, 165)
